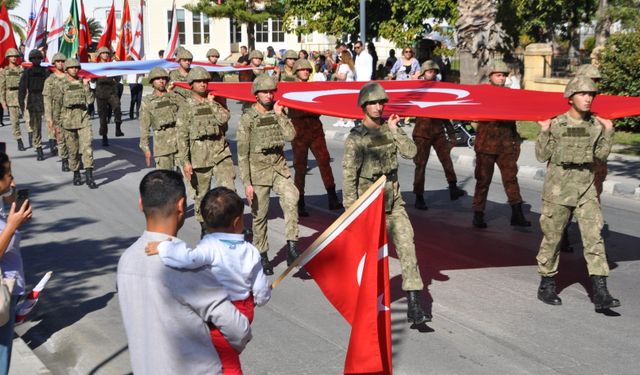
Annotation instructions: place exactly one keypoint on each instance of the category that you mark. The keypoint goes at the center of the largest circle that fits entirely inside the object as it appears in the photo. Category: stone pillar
(537, 62)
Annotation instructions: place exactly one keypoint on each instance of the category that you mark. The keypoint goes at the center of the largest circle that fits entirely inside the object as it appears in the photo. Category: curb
(25, 361)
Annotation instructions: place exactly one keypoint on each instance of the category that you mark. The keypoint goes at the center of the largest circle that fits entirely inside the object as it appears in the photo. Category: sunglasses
(407, 51)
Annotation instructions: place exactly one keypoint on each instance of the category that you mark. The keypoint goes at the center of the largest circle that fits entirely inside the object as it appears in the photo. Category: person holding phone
(10, 256)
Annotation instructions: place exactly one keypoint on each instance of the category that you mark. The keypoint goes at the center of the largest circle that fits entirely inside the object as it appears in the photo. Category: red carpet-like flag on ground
(350, 263)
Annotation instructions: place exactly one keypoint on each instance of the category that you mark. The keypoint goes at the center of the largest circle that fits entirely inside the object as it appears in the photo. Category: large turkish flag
(7, 39)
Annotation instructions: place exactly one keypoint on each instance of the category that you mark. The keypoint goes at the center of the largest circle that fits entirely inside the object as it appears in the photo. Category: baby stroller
(464, 132)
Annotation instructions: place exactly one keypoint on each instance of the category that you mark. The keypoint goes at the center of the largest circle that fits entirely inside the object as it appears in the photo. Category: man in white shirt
(364, 62)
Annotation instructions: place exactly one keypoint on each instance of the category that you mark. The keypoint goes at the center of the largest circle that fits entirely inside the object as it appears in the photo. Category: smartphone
(23, 195)
(3, 147)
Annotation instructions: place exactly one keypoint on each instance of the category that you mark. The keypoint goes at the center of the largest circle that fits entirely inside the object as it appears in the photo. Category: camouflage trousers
(112, 102)
(310, 137)
(169, 162)
(35, 123)
(553, 220)
(401, 233)
(58, 132)
(201, 181)
(600, 171)
(508, 164)
(443, 150)
(14, 117)
(288, 196)
(79, 143)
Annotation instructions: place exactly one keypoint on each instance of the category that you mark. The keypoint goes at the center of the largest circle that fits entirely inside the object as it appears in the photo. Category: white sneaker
(339, 123)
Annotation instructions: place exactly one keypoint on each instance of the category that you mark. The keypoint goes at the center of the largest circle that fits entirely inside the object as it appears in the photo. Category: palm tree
(19, 24)
(95, 28)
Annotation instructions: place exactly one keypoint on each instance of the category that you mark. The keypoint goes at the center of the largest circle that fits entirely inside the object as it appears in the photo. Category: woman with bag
(10, 257)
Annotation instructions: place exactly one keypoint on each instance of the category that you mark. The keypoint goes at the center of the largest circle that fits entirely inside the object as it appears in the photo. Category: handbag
(6, 287)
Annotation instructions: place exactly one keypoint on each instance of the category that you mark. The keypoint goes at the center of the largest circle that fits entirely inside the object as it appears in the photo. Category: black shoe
(119, 132)
(77, 178)
(88, 173)
(547, 291)
(30, 139)
(292, 251)
(478, 219)
(53, 148)
(334, 202)
(302, 210)
(601, 296)
(65, 165)
(420, 204)
(415, 313)
(266, 265)
(455, 192)
(517, 217)
(20, 145)
(105, 141)
(39, 154)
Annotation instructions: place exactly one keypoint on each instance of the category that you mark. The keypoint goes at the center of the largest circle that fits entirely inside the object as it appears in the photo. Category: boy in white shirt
(234, 262)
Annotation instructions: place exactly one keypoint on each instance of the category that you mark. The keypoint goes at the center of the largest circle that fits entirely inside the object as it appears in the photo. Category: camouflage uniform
(201, 143)
(9, 86)
(439, 134)
(30, 98)
(176, 76)
(158, 112)
(261, 138)
(369, 154)
(76, 96)
(288, 76)
(52, 94)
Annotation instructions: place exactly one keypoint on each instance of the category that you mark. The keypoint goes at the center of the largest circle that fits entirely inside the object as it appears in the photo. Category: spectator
(391, 60)
(244, 56)
(161, 54)
(406, 67)
(223, 250)
(345, 72)
(10, 256)
(135, 88)
(371, 48)
(364, 67)
(166, 311)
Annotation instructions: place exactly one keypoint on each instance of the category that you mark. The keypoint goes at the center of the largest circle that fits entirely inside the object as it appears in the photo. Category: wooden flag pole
(318, 241)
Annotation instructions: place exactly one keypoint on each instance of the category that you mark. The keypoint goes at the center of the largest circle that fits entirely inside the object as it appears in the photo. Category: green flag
(69, 39)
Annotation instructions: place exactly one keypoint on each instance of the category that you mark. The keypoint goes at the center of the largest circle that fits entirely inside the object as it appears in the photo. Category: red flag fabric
(137, 45)
(174, 39)
(109, 34)
(7, 40)
(85, 36)
(124, 41)
(420, 98)
(351, 266)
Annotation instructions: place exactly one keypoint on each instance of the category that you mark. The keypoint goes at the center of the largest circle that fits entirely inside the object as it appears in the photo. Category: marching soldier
(370, 151)
(255, 61)
(310, 135)
(158, 112)
(569, 144)
(212, 56)
(261, 136)
(184, 59)
(288, 74)
(30, 91)
(76, 96)
(107, 99)
(9, 86)
(439, 134)
(497, 142)
(52, 94)
(202, 146)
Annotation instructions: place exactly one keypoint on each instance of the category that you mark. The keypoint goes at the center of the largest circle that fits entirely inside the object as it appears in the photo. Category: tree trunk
(604, 23)
(251, 35)
(469, 70)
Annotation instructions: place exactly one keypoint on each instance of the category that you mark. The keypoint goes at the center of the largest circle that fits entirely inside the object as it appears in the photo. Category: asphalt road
(481, 284)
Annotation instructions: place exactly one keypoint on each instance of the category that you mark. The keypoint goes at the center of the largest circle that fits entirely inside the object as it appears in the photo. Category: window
(181, 25)
(235, 31)
(200, 28)
(262, 32)
(277, 34)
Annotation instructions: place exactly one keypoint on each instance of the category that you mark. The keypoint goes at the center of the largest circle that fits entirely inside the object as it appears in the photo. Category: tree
(249, 12)
(18, 23)
(95, 28)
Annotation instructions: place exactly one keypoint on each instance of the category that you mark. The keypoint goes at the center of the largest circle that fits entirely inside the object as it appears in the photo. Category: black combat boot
(20, 145)
(53, 148)
(601, 297)
(334, 202)
(454, 191)
(77, 178)
(105, 140)
(420, 204)
(302, 210)
(478, 219)
(292, 251)
(88, 173)
(119, 132)
(415, 313)
(266, 265)
(30, 139)
(547, 291)
(65, 165)
(39, 154)
(517, 217)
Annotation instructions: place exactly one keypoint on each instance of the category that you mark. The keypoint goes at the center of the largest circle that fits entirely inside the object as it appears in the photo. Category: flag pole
(318, 241)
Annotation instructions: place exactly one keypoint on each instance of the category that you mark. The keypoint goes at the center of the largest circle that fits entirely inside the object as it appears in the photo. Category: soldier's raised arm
(605, 141)
(288, 131)
(545, 143)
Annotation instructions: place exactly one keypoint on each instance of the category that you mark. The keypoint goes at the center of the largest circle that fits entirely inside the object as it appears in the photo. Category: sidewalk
(24, 361)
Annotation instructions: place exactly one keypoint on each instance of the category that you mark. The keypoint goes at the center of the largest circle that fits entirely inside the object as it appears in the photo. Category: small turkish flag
(7, 40)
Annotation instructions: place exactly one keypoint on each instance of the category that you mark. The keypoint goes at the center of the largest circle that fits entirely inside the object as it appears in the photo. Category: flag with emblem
(69, 42)
(7, 39)
(137, 45)
(124, 41)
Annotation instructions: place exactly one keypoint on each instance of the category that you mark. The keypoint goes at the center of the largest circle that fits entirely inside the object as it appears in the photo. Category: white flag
(37, 31)
(55, 29)
(137, 45)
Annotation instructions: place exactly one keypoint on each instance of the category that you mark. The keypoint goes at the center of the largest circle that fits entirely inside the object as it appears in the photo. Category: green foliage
(95, 28)
(625, 11)
(589, 44)
(620, 69)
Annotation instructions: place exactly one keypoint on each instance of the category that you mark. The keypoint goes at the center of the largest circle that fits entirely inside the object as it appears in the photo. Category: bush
(620, 69)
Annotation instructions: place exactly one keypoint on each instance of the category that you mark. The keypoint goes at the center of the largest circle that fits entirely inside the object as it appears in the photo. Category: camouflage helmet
(213, 52)
(184, 54)
(71, 63)
(12, 52)
(371, 92)
(263, 83)
(302, 64)
(103, 50)
(198, 74)
(580, 84)
(497, 66)
(588, 70)
(429, 65)
(158, 72)
(35, 54)
(255, 54)
(290, 54)
(59, 57)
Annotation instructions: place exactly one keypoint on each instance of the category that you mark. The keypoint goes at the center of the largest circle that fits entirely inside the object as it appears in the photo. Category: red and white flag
(124, 41)
(7, 40)
(30, 302)
(55, 28)
(174, 39)
(350, 263)
(85, 36)
(38, 30)
(137, 46)
(109, 35)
